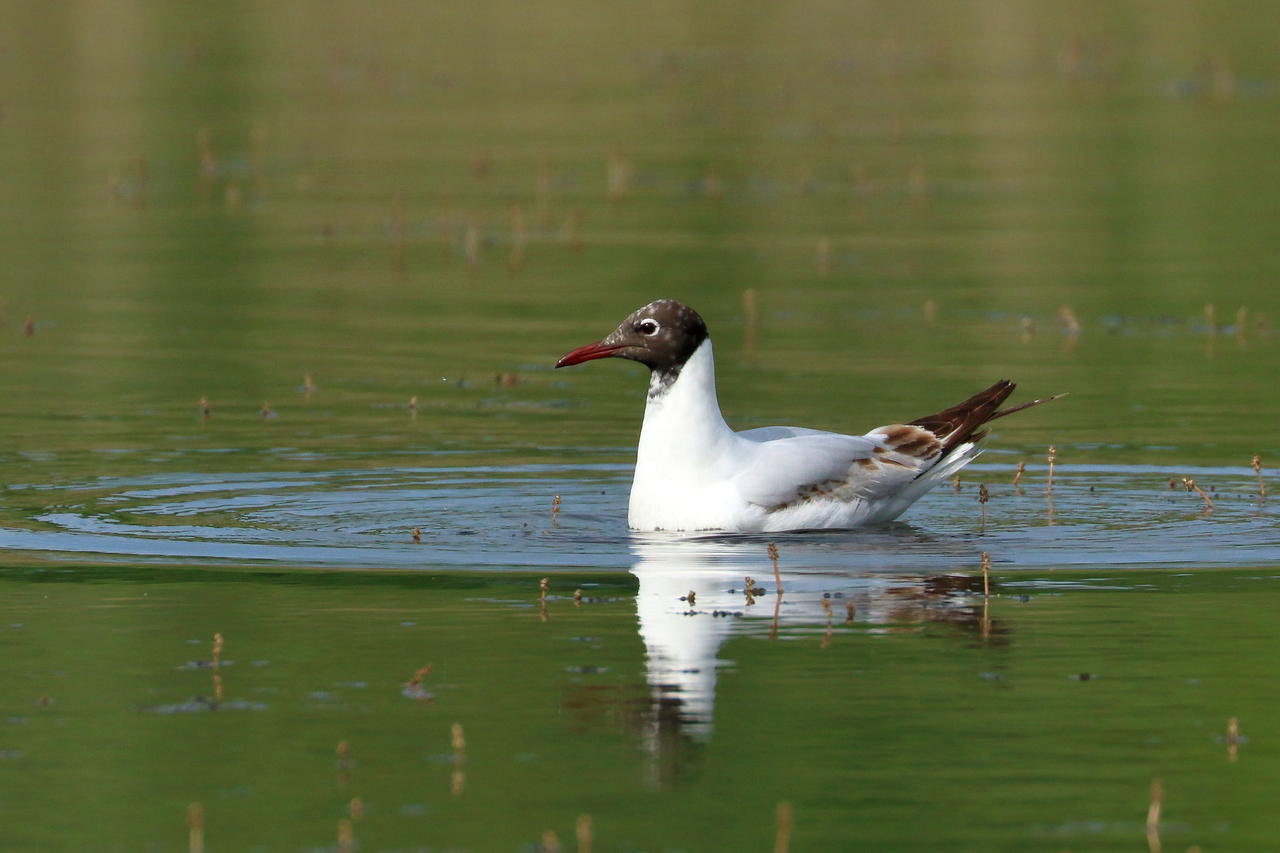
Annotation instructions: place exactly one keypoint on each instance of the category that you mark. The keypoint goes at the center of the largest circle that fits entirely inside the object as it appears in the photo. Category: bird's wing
(810, 464)
(891, 466)
(769, 433)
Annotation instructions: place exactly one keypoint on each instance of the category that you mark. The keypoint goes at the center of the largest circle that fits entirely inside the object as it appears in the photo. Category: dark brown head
(661, 335)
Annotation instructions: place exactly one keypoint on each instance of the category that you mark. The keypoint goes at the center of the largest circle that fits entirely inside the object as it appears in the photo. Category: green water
(309, 215)
(914, 732)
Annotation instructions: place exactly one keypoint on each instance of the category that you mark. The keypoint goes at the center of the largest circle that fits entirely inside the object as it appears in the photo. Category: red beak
(591, 351)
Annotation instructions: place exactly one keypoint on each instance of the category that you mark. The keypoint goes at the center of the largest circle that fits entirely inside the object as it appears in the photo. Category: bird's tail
(962, 423)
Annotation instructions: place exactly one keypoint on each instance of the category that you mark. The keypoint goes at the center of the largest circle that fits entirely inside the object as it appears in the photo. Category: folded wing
(890, 467)
(789, 465)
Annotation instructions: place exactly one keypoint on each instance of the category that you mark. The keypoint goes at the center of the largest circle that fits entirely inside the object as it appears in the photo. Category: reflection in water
(734, 593)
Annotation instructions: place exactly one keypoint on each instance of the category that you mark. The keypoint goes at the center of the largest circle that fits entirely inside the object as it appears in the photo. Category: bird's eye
(647, 327)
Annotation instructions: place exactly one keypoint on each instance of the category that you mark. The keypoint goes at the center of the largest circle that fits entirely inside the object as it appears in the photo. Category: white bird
(695, 473)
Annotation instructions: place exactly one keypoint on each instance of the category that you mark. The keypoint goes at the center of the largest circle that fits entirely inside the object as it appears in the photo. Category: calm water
(362, 241)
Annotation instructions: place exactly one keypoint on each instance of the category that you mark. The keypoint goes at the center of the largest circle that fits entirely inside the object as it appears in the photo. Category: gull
(694, 473)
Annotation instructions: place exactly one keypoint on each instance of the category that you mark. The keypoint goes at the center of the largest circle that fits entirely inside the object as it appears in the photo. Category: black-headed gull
(695, 473)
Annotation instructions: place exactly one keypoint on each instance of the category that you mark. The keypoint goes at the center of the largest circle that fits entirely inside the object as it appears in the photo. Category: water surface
(283, 284)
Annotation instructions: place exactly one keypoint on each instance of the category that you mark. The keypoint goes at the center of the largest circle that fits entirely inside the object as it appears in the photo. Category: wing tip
(962, 423)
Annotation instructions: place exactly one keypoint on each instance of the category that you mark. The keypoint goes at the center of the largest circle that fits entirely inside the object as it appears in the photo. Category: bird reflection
(683, 639)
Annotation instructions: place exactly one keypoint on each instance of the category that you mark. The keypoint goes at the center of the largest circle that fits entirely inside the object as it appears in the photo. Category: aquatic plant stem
(785, 818)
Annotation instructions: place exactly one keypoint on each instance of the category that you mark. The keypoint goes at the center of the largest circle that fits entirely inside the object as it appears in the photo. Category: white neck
(683, 427)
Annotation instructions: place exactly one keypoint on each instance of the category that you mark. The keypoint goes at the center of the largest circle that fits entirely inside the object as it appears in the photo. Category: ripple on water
(500, 517)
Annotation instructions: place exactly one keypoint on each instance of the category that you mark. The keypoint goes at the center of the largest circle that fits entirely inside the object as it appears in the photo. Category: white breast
(687, 456)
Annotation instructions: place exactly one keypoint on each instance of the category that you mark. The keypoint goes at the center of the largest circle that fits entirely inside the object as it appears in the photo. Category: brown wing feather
(962, 422)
